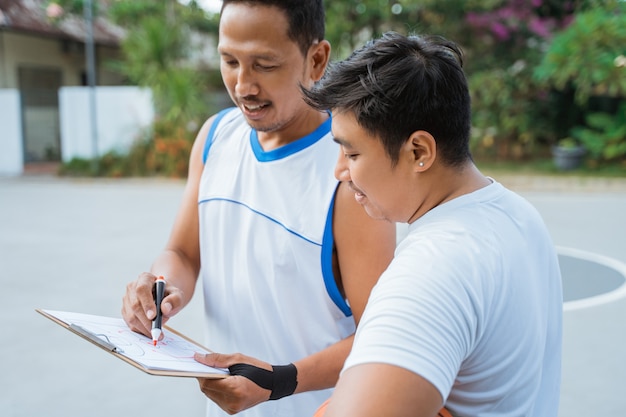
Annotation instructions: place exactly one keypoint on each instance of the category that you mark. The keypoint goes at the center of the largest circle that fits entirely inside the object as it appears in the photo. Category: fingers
(221, 360)
(138, 308)
(138, 305)
(224, 393)
(235, 393)
(215, 360)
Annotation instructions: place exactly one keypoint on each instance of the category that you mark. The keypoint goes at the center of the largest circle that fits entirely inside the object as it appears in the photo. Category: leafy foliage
(589, 55)
(512, 112)
(605, 136)
(156, 51)
(163, 151)
(526, 61)
(351, 23)
(511, 115)
(156, 54)
(153, 52)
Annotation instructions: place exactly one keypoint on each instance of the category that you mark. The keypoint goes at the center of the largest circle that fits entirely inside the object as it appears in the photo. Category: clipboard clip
(106, 344)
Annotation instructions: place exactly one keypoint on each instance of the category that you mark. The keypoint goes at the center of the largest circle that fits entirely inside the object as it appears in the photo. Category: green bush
(78, 167)
(163, 151)
(605, 135)
(511, 113)
(588, 55)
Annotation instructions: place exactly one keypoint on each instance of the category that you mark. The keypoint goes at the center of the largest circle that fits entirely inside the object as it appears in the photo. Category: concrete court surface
(73, 244)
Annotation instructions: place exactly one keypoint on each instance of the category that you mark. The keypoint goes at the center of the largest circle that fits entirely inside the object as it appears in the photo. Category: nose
(342, 173)
(246, 84)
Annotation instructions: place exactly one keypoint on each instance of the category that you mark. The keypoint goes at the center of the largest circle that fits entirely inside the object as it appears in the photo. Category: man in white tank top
(286, 255)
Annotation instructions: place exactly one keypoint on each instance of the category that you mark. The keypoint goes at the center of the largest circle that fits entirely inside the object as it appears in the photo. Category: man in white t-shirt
(468, 316)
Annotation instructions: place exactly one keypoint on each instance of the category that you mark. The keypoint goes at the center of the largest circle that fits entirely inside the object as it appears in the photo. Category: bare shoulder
(364, 248)
(351, 222)
(202, 135)
(186, 223)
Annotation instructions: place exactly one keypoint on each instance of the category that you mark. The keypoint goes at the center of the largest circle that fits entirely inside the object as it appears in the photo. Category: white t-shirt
(472, 302)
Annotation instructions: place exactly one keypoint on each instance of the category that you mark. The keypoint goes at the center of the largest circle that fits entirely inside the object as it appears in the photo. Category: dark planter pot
(567, 158)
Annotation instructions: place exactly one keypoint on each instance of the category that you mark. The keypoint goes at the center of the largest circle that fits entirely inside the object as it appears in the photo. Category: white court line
(596, 300)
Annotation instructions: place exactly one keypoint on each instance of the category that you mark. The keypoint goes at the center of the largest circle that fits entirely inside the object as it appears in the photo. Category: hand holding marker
(159, 292)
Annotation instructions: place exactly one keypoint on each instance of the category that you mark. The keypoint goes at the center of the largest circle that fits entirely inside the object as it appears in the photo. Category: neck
(292, 130)
(445, 184)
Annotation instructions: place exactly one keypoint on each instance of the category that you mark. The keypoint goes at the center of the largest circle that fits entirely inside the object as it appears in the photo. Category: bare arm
(364, 249)
(179, 262)
(374, 389)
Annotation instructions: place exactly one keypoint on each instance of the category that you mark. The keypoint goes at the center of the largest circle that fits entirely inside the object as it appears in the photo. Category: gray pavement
(73, 244)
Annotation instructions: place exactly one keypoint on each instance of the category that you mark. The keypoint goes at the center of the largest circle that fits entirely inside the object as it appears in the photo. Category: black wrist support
(281, 381)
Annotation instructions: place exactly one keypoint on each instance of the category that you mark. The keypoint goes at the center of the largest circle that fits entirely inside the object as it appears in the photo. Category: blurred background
(100, 101)
(547, 78)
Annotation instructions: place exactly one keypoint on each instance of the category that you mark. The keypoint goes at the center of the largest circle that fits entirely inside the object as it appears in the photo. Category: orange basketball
(444, 413)
(320, 411)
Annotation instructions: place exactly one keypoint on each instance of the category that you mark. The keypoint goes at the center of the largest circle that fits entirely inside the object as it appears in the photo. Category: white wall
(121, 114)
(11, 142)
(27, 50)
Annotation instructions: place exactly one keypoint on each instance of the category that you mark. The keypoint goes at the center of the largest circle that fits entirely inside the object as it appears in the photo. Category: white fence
(11, 142)
(121, 114)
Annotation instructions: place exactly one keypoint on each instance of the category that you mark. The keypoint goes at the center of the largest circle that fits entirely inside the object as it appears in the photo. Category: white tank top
(266, 248)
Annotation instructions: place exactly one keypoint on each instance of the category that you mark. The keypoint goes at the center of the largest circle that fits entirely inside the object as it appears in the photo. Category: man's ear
(319, 56)
(422, 150)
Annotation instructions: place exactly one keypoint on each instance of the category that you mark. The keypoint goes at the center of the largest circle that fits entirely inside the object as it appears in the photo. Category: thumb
(211, 359)
(172, 303)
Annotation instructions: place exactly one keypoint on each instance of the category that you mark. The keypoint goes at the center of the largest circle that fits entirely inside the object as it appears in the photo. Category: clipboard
(171, 357)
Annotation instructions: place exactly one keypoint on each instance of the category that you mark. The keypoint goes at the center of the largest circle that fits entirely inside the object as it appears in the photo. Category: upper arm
(377, 389)
(184, 237)
(365, 247)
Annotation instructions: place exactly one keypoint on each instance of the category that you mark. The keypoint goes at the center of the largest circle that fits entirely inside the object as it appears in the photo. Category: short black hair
(306, 19)
(396, 85)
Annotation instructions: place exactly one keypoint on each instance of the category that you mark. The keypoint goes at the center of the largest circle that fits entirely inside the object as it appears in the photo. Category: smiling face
(262, 68)
(382, 188)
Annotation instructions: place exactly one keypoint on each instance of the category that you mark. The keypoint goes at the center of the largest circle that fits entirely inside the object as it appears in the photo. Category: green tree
(513, 112)
(351, 23)
(156, 51)
(156, 54)
(503, 40)
(589, 56)
(587, 63)
(604, 135)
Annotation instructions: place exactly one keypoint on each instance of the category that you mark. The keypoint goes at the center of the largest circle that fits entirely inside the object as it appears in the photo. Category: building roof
(30, 16)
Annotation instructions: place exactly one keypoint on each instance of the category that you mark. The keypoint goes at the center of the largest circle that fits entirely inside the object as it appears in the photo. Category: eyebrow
(342, 142)
(265, 57)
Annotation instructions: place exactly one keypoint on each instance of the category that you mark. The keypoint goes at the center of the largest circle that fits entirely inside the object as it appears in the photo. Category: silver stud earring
(421, 163)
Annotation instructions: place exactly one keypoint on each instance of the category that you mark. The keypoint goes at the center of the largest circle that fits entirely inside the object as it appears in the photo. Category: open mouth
(358, 194)
(254, 107)
(354, 189)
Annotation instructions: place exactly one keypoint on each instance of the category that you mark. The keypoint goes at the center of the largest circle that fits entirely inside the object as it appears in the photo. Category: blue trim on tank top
(328, 240)
(210, 137)
(261, 214)
(328, 243)
(291, 148)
